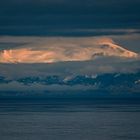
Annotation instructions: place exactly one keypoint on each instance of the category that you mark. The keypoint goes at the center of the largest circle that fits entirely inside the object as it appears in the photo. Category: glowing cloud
(64, 49)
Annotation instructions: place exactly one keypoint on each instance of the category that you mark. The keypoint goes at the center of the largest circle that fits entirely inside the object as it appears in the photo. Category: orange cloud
(64, 49)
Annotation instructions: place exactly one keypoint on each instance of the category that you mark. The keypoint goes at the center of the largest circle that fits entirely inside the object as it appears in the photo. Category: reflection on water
(69, 119)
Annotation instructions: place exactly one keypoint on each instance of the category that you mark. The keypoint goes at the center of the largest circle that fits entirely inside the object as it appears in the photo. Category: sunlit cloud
(49, 50)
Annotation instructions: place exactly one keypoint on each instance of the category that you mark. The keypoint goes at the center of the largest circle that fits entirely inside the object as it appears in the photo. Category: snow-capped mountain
(70, 51)
(105, 81)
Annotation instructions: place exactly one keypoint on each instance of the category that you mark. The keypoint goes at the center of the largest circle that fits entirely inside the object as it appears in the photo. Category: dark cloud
(23, 17)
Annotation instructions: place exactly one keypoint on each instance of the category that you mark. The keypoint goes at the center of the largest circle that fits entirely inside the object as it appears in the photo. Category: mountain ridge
(70, 52)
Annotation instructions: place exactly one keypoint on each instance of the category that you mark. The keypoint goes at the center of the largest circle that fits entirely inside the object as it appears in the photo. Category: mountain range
(105, 84)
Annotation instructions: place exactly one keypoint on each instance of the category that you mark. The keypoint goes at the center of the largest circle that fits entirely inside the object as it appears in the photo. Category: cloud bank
(49, 50)
(68, 56)
(24, 58)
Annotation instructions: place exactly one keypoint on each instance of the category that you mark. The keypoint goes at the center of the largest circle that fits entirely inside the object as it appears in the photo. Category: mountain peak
(65, 50)
(112, 49)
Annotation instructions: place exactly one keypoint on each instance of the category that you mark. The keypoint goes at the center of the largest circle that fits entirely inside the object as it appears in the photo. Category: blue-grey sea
(69, 119)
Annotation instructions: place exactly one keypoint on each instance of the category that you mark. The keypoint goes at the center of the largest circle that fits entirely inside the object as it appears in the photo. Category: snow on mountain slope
(65, 50)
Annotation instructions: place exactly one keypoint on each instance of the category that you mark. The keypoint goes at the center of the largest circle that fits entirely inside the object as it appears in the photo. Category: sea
(69, 119)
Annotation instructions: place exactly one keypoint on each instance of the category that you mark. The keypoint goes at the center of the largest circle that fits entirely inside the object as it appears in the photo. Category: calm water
(63, 119)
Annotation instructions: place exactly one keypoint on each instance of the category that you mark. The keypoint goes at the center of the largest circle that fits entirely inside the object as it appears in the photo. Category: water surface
(69, 119)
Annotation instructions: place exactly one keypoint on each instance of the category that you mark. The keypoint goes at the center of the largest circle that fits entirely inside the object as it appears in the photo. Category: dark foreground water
(69, 119)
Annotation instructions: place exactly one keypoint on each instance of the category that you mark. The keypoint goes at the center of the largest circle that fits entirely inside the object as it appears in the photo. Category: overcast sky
(62, 17)
(37, 30)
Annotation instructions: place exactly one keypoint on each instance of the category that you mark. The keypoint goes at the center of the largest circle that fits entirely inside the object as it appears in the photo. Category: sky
(67, 18)
(50, 37)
